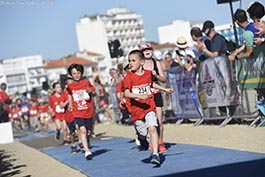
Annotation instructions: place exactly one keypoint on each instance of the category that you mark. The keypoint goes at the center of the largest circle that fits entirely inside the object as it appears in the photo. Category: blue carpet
(31, 135)
(120, 157)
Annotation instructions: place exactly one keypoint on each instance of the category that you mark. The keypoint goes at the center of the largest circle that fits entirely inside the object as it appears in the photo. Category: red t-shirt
(43, 110)
(54, 102)
(140, 84)
(33, 110)
(83, 106)
(68, 114)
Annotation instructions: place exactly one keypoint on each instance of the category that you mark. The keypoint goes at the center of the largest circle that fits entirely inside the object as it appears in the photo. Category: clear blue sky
(47, 27)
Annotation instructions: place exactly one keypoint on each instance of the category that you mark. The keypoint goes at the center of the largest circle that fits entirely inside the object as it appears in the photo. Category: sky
(47, 27)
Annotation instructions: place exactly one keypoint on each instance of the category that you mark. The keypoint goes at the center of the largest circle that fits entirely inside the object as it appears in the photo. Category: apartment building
(23, 74)
(95, 31)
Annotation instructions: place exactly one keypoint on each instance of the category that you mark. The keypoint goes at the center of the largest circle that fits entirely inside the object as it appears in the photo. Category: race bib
(24, 109)
(143, 89)
(58, 109)
(81, 95)
(33, 112)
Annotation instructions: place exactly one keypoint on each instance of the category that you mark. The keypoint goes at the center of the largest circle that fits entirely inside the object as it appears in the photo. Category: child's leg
(57, 124)
(154, 138)
(151, 123)
(65, 131)
(141, 131)
(58, 128)
(83, 136)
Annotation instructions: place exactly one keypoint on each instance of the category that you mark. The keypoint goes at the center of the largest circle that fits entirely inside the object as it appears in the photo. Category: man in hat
(218, 42)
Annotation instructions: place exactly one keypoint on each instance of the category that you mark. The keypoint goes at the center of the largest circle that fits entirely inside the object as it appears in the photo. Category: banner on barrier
(251, 71)
(184, 100)
(217, 84)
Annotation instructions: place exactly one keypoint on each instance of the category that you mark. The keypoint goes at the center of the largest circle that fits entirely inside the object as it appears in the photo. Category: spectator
(218, 45)
(261, 27)
(170, 62)
(190, 65)
(240, 17)
(199, 39)
(256, 12)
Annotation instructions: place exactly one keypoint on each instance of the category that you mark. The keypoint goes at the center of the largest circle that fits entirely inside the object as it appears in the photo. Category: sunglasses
(146, 49)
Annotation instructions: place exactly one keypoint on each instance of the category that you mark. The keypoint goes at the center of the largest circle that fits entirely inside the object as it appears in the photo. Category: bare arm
(167, 90)
(161, 75)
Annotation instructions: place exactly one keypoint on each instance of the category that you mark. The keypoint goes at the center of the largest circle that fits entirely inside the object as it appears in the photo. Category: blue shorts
(71, 127)
(84, 122)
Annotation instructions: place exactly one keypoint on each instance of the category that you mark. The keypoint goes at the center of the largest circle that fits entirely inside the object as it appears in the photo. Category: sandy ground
(20, 160)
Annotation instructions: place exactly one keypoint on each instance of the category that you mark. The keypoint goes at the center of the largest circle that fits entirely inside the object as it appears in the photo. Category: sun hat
(181, 42)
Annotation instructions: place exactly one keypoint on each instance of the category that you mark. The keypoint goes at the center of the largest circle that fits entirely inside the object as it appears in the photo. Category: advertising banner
(217, 85)
(184, 100)
(251, 71)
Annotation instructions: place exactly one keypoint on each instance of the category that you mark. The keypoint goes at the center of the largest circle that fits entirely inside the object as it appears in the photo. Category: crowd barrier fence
(234, 89)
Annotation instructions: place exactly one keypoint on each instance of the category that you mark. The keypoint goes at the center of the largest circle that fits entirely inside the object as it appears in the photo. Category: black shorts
(158, 100)
(84, 122)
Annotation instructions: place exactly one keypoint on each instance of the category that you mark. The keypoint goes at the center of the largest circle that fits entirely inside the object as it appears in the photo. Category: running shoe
(57, 135)
(73, 150)
(88, 155)
(155, 159)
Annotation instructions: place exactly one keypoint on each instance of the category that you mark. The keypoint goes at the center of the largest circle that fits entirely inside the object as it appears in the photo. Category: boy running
(137, 87)
(81, 102)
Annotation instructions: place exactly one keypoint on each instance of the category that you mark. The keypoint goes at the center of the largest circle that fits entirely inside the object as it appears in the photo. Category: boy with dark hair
(81, 102)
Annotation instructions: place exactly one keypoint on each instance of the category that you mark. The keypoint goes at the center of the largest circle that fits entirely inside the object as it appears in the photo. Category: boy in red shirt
(137, 87)
(81, 101)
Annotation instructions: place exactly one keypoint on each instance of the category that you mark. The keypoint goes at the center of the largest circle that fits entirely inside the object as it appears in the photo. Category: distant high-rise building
(96, 31)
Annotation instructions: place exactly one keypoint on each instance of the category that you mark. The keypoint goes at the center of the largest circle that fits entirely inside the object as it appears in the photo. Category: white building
(23, 74)
(94, 32)
(170, 33)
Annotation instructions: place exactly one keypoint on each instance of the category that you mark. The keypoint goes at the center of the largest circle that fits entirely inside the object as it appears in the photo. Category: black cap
(207, 27)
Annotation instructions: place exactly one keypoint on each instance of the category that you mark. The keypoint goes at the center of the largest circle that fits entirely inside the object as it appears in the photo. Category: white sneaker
(88, 155)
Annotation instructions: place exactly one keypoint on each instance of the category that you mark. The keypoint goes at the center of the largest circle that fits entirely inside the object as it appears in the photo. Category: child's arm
(129, 94)
(70, 106)
(167, 90)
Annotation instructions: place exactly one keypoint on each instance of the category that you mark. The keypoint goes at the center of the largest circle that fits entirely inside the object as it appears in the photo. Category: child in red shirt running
(124, 103)
(69, 118)
(137, 87)
(81, 102)
(58, 112)
(43, 114)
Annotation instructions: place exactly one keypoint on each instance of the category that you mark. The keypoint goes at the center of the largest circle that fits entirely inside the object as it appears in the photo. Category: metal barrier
(220, 84)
